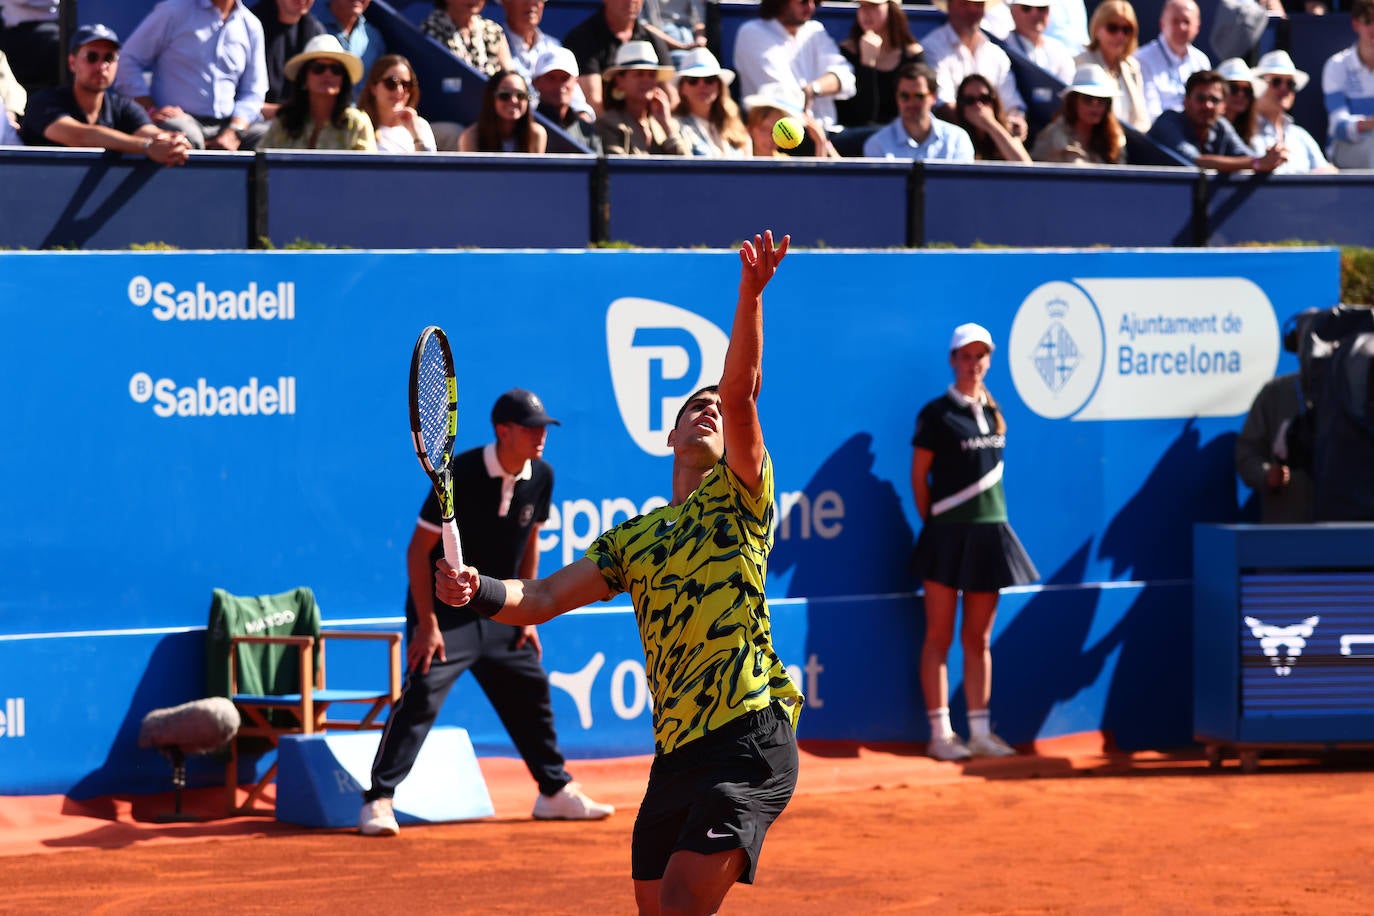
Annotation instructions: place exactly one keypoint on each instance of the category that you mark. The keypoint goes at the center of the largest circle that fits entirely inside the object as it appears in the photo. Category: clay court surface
(1067, 830)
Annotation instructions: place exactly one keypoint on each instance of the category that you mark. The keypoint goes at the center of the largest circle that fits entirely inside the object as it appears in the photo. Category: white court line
(613, 609)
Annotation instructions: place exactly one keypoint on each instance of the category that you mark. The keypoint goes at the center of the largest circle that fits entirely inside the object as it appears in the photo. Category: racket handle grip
(453, 550)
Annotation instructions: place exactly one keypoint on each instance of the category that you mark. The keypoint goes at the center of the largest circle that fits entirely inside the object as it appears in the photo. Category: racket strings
(433, 399)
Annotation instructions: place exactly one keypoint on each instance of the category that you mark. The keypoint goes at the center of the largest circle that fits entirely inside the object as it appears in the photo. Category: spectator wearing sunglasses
(389, 99)
(319, 113)
(959, 49)
(287, 27)
(1114, 28)
(1084, 130)
(639, 120)
(208, 67)
(1031, 19)
(1170, 58)
(90, 113)
(1241, 88)
(710, 118)
(1201, 135)
(915, 134)
(1282, 82)
(505, 124)
(1348, 86)
(978, 110)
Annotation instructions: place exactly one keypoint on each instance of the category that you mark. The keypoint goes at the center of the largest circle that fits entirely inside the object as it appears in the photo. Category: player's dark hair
(695, 394)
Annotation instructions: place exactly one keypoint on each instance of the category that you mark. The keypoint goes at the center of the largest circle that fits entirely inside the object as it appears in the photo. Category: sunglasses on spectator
(983, 99)
(1119, 28)
(100, 57)
(1241, 89)
(394, 83)
(1281, 82)
(694, 80)
(324, 66)
(513, 95)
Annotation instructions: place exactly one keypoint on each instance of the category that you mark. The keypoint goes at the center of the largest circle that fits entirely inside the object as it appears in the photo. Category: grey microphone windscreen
(197, 727)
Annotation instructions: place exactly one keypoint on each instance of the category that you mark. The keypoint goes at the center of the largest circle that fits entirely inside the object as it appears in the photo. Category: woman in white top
(710, 118)
(389, 98)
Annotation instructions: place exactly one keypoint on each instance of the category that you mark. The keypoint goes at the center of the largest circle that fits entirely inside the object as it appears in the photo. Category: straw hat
(326, 47)
(1090, 79)
(636, 55)
(1278, 63)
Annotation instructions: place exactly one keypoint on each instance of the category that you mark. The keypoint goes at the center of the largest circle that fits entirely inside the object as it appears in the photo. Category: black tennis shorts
(717, 793)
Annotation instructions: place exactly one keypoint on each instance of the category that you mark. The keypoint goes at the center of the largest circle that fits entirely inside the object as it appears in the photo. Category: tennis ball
(787, 133)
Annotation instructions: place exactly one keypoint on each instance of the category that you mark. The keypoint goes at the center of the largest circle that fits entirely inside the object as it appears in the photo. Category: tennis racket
(434, 425)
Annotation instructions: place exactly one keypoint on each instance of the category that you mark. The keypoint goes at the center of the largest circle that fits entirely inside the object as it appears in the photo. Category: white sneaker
(990, 745)
(570, 804)
(947, 748)
(377, 819)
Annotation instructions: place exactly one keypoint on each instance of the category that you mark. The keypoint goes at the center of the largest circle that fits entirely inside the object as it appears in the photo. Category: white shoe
(570, 804)
(990, 745)
(377, 819)
(947, 748)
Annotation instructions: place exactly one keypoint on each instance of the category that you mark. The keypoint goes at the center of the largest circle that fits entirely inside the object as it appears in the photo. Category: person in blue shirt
(915, 134)
(344, 20)
(1201, 135)
(209, 71)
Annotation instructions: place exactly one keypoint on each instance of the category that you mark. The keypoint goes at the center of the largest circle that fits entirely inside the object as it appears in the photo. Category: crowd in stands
(637, 78)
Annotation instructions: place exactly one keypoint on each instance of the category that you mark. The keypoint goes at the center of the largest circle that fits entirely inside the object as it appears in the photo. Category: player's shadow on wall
(869, 555)
(1149, 703)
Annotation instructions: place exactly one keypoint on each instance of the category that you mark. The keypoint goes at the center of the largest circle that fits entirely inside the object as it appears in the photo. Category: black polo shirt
(47, 106)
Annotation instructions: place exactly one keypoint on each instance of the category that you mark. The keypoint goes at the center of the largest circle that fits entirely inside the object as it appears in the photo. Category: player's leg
(941, 605)
(518, 687)
(975, 636)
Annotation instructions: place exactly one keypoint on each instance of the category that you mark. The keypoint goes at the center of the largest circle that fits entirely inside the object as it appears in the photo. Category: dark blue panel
(85, 199)
(859, 204)
(437, 201)
(1274, 208)
(1071, 206)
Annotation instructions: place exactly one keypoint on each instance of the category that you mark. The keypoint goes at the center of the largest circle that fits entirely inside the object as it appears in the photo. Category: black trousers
(513, 680)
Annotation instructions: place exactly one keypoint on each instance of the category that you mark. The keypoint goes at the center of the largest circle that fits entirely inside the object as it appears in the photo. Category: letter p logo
(659, 354)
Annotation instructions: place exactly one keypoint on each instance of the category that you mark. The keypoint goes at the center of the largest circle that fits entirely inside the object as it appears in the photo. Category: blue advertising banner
(186, 421)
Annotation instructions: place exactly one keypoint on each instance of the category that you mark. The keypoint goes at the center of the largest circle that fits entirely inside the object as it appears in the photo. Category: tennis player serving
(725, 753)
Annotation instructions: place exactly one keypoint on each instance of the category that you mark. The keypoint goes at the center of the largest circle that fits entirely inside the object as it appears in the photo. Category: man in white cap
(209, 72)
(1168, 60)
(90, 113)
(959, 49)
(528, 43)
(1031, 18)
(555, 80)
(1282, 82)
(786, 46)
(595, 40)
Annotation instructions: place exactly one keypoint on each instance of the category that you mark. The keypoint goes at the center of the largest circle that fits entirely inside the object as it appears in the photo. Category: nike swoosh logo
(712, 835)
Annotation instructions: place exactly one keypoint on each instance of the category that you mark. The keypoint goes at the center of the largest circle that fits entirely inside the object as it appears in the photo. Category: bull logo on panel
(659, 354)
(1282, 645)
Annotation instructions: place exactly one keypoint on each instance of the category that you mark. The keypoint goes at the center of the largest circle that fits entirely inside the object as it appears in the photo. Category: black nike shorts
(717, 793)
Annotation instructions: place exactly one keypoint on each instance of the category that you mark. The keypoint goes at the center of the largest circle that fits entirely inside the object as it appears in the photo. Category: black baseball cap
(522, 408)
(89, 33)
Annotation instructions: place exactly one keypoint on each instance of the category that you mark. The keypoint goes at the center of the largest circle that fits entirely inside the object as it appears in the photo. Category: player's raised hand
(760, 259)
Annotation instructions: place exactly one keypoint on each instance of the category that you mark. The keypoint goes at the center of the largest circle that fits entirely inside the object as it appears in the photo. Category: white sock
(978, 723)
(939, 723)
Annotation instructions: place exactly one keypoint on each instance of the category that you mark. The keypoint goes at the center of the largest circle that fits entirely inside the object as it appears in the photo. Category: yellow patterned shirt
(695, 573)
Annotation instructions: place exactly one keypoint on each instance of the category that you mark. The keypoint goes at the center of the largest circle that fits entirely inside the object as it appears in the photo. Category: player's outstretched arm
(521, 602)
(739, 383)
